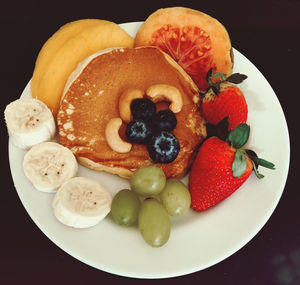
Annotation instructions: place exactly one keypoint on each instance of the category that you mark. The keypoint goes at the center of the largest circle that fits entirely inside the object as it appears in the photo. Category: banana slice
(48, 165)
(29, 121)
(81, 202)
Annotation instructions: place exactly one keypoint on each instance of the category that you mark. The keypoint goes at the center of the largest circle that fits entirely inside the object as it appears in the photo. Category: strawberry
(224, 99)
(221, 167)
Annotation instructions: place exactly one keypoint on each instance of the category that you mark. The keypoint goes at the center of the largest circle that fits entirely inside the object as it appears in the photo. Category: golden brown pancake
(91, 99)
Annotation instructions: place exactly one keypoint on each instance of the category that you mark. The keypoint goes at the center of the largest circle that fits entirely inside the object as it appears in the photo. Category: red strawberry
(224, 99)
(220, 169)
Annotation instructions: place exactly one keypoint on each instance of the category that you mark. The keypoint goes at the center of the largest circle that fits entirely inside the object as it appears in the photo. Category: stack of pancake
(91, 99)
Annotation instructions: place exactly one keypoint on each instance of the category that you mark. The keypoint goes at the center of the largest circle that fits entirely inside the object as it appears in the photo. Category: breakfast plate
(198, 240)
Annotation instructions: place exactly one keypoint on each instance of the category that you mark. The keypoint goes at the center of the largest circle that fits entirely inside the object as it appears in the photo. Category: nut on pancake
(91, 99)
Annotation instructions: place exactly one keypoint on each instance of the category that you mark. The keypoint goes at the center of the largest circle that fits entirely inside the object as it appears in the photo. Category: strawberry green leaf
(239, 136)
(256, 161)
(236, 78)
(215, 84)
(262, 162)
(239, 163)
(258, 175)
(219, 74)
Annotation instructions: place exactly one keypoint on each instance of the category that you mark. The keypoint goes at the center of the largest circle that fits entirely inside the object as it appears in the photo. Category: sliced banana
(81, 202)
(29, 121)
(48, 165)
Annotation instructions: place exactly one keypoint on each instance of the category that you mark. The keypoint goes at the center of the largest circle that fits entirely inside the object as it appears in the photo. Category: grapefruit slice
(194, 39)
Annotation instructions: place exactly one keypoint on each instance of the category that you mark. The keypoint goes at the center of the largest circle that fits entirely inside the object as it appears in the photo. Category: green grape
(125, 207)
(154, 222)
(175, 197)
(148, 180)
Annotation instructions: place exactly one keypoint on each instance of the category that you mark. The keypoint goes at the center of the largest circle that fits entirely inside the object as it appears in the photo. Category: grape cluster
(150, 202)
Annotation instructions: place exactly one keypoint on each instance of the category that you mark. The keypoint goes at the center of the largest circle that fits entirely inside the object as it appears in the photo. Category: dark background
(266, 32)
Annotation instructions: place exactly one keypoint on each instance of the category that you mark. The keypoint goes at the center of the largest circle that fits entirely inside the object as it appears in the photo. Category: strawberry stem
(258, 175)
(262, 162)
(236, 78)
(237, 138)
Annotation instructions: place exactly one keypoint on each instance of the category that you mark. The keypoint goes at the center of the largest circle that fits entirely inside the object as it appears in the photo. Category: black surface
(266, 32)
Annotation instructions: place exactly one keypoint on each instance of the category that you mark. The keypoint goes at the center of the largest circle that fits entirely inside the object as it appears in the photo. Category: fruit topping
(221, 167)
(81, 202)
(125, 207)
(148, 180)
(154, 222)
(48, 165)
(29, 121)
(224, 99)
(160, 198)
(142, 108)
(163, 147)
(149, 127)
(65, 49)
(164, 120)
(125, 101)
(175, 197)
(194, 39)
(138, 131)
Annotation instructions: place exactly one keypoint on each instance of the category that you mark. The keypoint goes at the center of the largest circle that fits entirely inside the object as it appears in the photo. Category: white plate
(198, 240)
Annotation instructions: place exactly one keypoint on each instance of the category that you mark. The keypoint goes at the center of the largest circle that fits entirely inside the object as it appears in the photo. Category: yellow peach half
(62, 52)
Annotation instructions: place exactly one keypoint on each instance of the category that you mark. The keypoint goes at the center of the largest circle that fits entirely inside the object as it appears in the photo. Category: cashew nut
(113, 138)
(125, 101)
(164, 92)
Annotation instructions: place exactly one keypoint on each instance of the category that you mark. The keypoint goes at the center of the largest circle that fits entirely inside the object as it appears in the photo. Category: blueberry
(138, 131)
(164, 120)
(163, 147)
(142, 108)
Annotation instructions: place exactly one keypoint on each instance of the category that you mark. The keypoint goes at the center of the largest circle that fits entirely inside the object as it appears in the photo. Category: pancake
(91, 99)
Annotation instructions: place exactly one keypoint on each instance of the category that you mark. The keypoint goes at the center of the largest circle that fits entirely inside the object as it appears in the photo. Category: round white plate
(198, 240)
